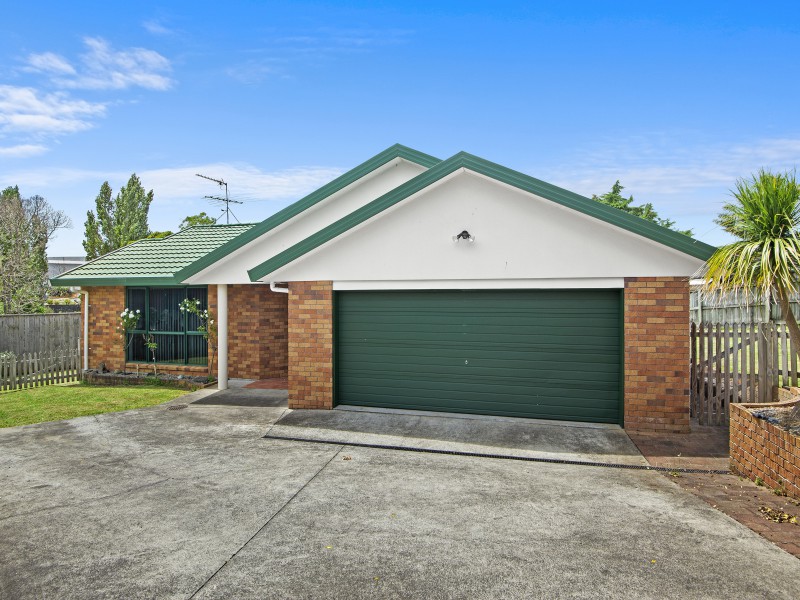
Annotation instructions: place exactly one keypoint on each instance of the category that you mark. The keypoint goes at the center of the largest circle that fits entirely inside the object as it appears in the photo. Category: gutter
(282, 290)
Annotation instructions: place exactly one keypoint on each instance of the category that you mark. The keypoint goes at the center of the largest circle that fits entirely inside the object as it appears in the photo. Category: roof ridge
(527, 183)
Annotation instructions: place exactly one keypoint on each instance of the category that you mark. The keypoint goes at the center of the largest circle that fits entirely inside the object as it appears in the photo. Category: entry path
(165, 503)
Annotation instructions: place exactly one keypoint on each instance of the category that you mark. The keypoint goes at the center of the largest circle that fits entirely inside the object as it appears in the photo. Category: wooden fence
(39, 368)
(735, 308)
(25, 334)
(738, 362)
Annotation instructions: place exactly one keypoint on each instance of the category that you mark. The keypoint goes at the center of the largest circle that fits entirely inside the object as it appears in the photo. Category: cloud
(176, 185)
(22, 151)
(674, 167)
(48, 62)
(156, 28)
(251, 72)
(104, 68)
(26, 110)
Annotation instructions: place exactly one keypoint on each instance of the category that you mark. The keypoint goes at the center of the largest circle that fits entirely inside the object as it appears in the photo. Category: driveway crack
(268, 521)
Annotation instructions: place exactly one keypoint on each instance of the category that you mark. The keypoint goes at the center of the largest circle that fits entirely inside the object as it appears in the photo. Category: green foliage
(205, 325)
(199, 219)
(155, 235)
(615, 199)
(26, 226)
(765, 217)
(119, 221)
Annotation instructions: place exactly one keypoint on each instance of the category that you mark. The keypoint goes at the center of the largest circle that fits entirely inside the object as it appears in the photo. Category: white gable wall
(522, 240)
(233, 268)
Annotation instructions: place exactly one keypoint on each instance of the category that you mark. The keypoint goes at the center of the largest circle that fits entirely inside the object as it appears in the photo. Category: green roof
(647, 229)
(280, 217)
(152, 261)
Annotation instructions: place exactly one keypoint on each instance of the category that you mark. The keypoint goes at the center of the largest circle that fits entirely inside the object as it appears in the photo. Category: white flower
(138, 311)
(197, 301)
(122, 314)
(211, 322)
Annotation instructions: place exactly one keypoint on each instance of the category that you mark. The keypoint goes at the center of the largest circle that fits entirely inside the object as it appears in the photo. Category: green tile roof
(152, 261)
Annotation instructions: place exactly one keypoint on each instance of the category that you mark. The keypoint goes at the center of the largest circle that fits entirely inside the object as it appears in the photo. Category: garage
(549, 354)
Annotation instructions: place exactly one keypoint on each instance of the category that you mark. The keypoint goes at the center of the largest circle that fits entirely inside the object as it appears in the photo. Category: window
(179, 342)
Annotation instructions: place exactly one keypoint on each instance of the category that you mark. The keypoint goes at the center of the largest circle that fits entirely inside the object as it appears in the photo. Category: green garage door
(551, 354)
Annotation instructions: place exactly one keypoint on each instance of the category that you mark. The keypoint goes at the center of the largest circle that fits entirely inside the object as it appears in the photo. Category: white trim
(222, 336)
(484, 284)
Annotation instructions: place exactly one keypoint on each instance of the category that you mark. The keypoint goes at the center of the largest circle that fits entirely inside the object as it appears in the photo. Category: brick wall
(657, 354)
(258, 334)
(760, 449)
(311, 344)
(105, 340)
(257, 328)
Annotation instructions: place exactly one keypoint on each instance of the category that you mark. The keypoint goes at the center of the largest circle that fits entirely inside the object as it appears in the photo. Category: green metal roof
(595, 209)
(280, 217)
(152, 261)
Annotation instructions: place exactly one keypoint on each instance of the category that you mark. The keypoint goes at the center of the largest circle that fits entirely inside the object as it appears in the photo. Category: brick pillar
(311, 344)
(105, 339)
(657, 354)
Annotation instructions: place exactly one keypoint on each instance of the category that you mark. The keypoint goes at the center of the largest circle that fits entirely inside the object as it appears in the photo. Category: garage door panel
(533, 353)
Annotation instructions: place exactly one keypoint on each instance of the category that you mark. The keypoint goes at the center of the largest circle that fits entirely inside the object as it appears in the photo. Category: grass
(57, 402)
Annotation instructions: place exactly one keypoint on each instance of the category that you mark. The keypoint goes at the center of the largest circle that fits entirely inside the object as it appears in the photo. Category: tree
(765, 261)
(118, 221)
(194, 220)
(645, 211)
(26, 226)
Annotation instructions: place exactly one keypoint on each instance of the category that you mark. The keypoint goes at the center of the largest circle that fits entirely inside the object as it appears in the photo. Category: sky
(677, 100)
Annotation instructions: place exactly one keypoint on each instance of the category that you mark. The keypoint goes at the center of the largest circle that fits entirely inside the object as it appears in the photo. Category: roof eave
(344, 180)
(613, 216)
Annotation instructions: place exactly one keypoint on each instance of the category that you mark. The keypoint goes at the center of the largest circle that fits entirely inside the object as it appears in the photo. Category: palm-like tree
(765, 261)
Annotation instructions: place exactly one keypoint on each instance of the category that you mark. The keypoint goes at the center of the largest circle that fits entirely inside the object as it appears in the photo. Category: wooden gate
(739, 362)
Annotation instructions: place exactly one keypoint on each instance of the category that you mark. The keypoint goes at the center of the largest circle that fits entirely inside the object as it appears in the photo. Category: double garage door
(548, 354)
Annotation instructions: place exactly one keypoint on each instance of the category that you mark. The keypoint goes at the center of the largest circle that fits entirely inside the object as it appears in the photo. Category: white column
(222, 336)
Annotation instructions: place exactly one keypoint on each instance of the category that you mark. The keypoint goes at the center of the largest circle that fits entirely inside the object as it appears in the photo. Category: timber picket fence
(39, 368)
(738, 362)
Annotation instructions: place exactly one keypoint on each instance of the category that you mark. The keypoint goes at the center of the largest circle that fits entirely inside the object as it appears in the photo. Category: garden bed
(186, 382)
(765, 445)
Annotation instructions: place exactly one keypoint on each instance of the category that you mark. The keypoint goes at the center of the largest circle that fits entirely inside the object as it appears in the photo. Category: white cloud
(26, 110)
(179, 184)
(22, 150)
(48, 62)
(104, 68)
(156, 28)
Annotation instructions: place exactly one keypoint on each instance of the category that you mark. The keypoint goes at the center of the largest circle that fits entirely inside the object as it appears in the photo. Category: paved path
(195, 503)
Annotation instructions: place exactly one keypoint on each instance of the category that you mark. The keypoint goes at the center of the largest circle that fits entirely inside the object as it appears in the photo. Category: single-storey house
(412, 282)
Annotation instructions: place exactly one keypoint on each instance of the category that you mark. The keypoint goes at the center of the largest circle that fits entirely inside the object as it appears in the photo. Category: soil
(785, 418)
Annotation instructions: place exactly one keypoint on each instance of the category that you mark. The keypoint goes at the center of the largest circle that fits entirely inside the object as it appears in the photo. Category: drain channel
(557, 461)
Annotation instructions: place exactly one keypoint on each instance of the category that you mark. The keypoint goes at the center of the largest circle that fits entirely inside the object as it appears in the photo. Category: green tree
(615, 199)
(26, 226)
(764, 262)
(119, 221)
(199, 219)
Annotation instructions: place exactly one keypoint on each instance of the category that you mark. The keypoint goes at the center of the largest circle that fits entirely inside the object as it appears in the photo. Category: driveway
(196, 503)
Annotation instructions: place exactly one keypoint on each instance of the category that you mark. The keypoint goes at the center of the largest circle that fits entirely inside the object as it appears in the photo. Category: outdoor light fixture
(464, 235)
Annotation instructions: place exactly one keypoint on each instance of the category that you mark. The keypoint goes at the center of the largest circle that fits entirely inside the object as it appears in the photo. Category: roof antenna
(226, 200)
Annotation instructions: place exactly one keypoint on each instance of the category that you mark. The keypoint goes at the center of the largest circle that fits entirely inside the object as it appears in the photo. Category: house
(61, 264)
(412, 282)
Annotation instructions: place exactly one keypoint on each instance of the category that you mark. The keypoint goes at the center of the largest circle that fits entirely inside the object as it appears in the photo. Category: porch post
(222, 336)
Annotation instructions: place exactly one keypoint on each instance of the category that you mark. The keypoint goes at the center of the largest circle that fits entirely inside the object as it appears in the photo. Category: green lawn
(57, 402)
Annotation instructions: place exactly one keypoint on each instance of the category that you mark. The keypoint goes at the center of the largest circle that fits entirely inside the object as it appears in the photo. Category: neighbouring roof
(152, 261)
(463, 160)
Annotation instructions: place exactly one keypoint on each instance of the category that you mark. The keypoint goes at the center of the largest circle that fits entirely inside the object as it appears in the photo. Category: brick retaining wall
(761, 449)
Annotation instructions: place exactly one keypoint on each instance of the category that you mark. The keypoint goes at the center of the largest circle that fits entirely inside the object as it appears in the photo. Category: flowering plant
(127, 321)
(205, 325)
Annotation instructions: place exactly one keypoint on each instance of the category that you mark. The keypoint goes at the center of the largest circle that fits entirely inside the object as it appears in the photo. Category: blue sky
(675, 99)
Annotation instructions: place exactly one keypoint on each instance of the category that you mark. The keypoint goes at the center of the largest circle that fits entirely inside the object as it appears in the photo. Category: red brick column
(657, 354)
(311, 344)
(105, 340)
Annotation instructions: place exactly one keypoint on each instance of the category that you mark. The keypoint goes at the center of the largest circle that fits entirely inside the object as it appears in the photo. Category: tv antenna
(226, 200)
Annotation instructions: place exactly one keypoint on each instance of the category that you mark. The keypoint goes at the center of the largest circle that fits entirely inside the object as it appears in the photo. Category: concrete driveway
(158, 503)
